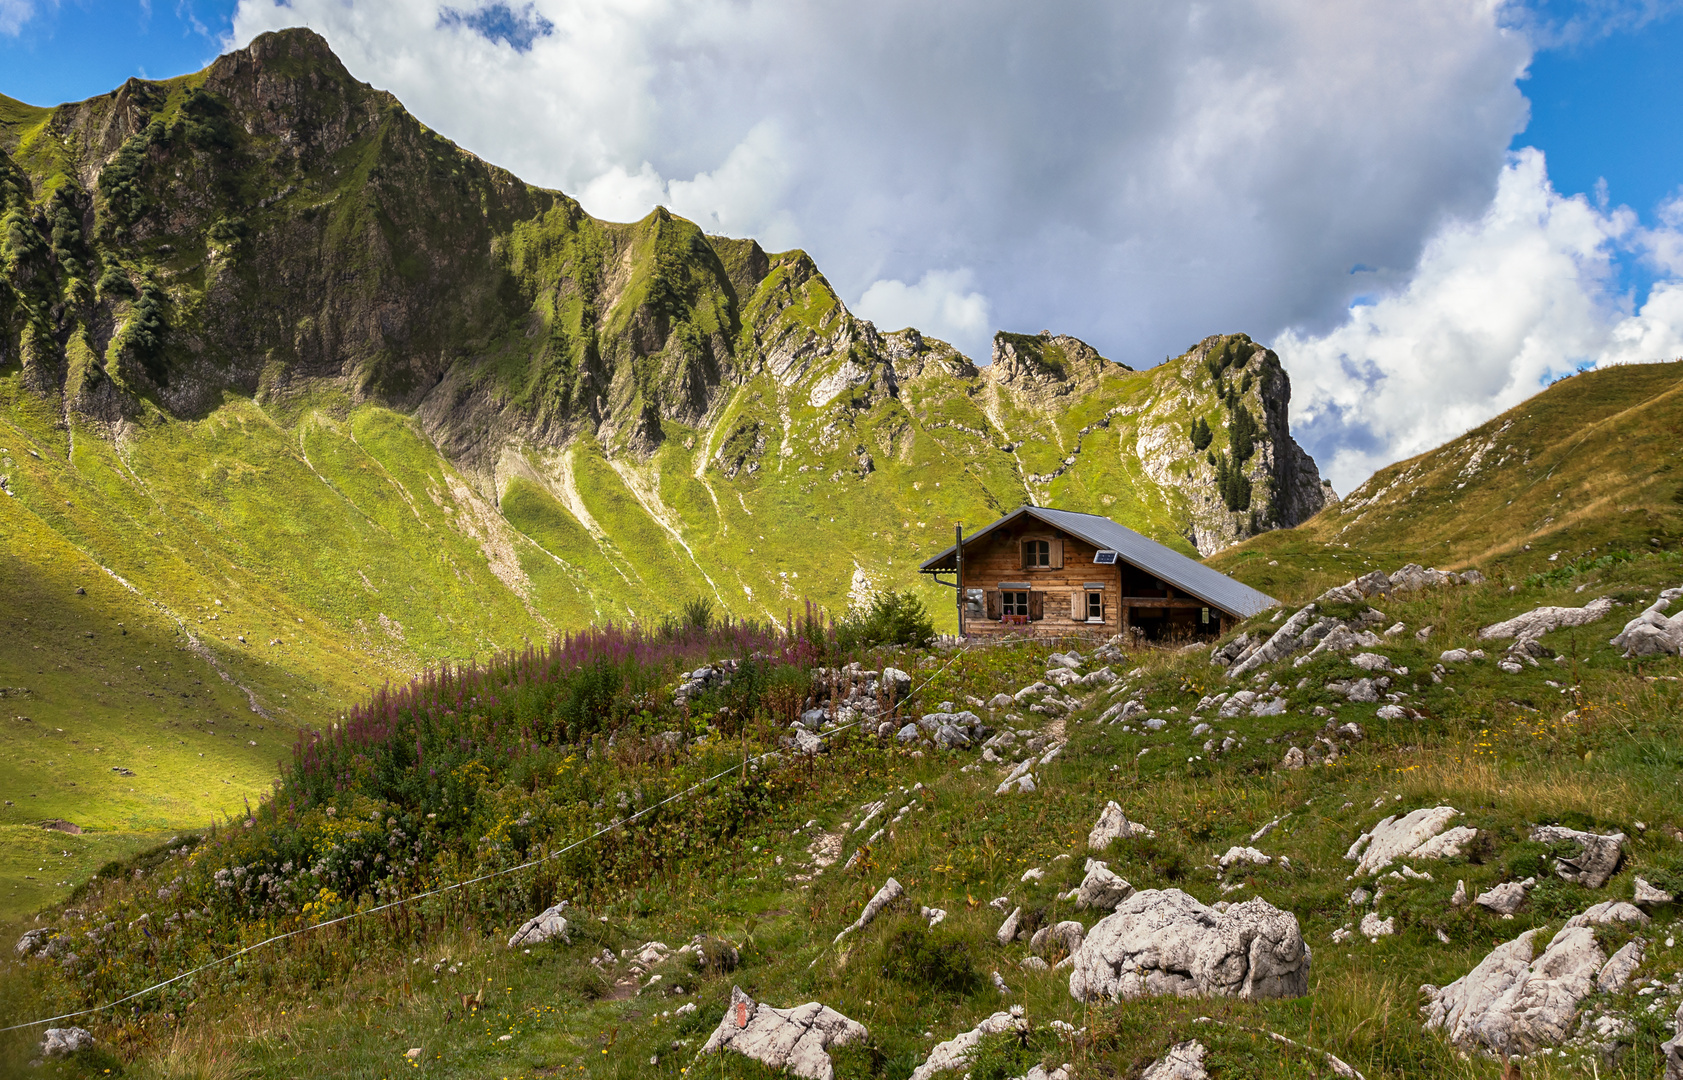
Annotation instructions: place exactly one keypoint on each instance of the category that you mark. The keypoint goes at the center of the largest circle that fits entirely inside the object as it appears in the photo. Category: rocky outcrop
(1544, 620)
(1164, 942)
(1113, 824)
(796, 1039)
(1514, 1004)
(1651, 633)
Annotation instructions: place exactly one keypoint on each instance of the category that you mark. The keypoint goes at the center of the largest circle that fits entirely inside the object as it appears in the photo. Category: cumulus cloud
(941, 304)
(1497, 306)
(13, 14)
(1138, 175)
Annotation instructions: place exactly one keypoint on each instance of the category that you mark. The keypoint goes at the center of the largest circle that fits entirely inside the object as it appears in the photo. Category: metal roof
(1188, 575)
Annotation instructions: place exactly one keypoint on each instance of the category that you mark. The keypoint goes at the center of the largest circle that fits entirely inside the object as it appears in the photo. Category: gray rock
(62, 1042)
(541, 927)
(1237, 705)
(1113, 824)
(1673, 1048)
(1067, 934)
(956, 1052)
(1280, 645)
(1363, 690)
(1184, 1061)
(1294, 759)
(1544, 620)
(1513, 1004)
(1034, 963)
(1454, 656)
(896, 680)
(1651, 633)
(805, 742)
(1615, 974)
(1243, 856)
(812, 719)
(1399, 837)
(1166, 942)
(1001, 701)
(33, 941)
(1598, 860)
(948, 737)
(1007, 932)
(1645, 894)
(1101, 888)
(1275, 706)
(910, 733)
(795, 1039)
(890, 892)
(1503, 899)
(1232, 651)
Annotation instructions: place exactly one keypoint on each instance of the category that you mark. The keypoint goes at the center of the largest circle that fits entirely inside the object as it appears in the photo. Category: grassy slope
(1586, 467)
(1502, 748)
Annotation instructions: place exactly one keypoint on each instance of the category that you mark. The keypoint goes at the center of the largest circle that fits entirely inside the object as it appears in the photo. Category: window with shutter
(993, 603)
(1037, 606)
(1078, 606)
(1095, 607)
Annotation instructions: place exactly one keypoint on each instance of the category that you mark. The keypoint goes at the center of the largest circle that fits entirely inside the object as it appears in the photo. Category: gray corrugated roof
(1188, 575)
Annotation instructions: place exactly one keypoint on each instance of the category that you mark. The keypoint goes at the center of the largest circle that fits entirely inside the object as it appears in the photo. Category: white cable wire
(456, 885)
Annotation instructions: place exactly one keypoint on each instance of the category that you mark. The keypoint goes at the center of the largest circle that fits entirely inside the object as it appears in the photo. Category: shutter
(1022, 553)
(1078, 606)
(1037, 606)
(994, 604)
(1057, 554)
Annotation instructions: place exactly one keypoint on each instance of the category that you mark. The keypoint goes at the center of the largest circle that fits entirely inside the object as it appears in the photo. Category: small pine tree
(1202, 436)
(1241, 434)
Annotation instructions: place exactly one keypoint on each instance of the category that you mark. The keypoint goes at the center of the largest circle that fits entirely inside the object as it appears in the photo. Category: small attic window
(1105, 558)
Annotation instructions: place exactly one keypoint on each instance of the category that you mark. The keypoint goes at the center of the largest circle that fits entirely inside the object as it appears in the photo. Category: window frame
(1037, 554)
(1095, 606)
(1009, 599)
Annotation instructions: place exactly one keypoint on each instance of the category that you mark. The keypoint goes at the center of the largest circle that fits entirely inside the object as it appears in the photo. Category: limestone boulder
(1673, 1048)
(1101, 888)
(1113, 824)
(956, 1052)
(63, 1042)
(796, 1039)
(1599, 857)
(1400, 837)
(543, 926)
(891, 891)
(1163, 941)
(1515, 1002)
(1545, 620)
(1184, 1061)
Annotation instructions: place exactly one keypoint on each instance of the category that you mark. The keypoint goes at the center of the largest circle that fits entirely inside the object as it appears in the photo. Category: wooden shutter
(1037, 606)
(993, 607)
(1057, 554)
(1078, 606)
(1023, 553)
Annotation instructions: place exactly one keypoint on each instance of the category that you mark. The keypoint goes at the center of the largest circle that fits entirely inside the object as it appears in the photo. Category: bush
(894, 618)
(937, 959)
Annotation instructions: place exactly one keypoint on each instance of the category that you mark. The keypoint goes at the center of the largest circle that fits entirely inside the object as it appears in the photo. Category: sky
(1429, 208)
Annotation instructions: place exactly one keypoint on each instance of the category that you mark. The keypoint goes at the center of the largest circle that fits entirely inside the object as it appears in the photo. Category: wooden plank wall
(997, 558)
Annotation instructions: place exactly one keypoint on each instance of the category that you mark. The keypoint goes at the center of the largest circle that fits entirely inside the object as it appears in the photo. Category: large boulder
(1410, 835)
(1113, 824)
(1163, 941)
(1651, 633)
(1513, 1003)
(1544, 620)
(547, 924)
(1597, 860)
(796, 1039)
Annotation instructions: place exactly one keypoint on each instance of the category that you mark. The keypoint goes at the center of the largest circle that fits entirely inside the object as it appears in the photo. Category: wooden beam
(1163, 602)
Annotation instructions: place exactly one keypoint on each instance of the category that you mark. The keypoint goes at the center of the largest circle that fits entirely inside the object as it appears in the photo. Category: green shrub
(894, 618)
(939, 960)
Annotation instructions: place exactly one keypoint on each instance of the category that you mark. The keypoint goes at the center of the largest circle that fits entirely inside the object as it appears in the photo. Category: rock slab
(541, 927)
(1184, 1061)
(1598, 860)
(796, 1039)
(1163, 941)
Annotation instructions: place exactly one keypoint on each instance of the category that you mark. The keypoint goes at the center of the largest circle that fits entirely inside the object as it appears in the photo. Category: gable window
(1037, 553)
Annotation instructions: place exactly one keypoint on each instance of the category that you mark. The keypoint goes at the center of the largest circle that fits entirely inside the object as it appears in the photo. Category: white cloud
(941, 304)
(13, 14)
(1497, 306)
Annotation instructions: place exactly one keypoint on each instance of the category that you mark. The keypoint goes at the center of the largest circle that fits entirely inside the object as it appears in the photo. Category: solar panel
(1105, 558)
